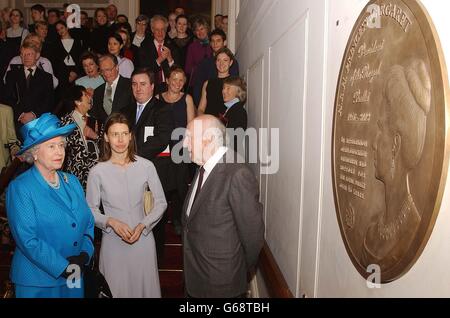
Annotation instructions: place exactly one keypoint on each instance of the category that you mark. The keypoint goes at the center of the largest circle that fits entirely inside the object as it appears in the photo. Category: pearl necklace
(387, 231)
(55, 185)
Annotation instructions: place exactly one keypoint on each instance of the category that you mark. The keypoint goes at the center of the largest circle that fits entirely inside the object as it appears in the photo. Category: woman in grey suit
(128, 255)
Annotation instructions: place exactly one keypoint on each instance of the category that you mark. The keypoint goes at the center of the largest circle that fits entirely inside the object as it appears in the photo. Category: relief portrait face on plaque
(389, 149)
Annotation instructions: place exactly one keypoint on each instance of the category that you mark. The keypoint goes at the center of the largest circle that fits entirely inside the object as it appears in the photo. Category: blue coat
(46, 227)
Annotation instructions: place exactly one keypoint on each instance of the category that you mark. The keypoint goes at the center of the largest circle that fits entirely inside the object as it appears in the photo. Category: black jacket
(159, 117)
(38, 98)
(147, 55)
(122, 98)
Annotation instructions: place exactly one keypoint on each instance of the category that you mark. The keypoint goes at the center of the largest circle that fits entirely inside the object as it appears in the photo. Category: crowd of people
(94, 110)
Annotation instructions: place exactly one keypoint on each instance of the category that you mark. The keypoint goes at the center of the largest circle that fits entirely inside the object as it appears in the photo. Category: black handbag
(95, 284)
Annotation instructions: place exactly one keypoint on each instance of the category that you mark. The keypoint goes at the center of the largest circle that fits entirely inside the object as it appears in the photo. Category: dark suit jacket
(38, 98)
(160, 117)
(236, 117)
(123, 96)
(224, 232)
(147, 55)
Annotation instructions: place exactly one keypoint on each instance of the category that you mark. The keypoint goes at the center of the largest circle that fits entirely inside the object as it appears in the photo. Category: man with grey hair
(158, 52)
(114, 94)
(223, 229)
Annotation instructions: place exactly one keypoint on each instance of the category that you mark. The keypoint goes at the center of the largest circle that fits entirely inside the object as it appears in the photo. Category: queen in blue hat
(50, 220)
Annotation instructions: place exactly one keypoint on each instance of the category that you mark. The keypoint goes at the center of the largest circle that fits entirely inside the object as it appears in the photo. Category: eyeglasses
(141, 23)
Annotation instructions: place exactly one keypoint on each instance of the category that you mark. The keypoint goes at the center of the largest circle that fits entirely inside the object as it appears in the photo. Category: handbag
(95, 284)
(148, 200)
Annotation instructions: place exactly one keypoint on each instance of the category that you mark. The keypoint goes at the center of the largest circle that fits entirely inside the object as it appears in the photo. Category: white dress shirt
(208, 166)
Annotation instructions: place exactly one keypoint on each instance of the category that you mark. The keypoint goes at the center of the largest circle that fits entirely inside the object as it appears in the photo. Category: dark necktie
(199, 184)
(29, 76)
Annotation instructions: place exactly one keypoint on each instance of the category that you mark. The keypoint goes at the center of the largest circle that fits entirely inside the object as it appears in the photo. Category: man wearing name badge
(114, 94)
(223, 229)
(152, 129)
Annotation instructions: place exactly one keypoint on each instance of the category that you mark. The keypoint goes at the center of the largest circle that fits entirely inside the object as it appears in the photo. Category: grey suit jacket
(223, 234)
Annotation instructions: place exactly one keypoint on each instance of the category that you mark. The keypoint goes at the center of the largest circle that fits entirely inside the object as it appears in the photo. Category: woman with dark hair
(183, 39)
(67, 52)
(127, 51)
(212, 102)
(82, 150)
(116, 47)
(100, 33)
(127, 255)
(92, 79)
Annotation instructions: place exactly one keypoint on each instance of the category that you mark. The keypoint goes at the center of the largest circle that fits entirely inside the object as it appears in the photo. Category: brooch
(66, 180)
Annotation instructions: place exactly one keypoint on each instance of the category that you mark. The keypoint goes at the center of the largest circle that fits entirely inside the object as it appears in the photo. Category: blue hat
(42, 129)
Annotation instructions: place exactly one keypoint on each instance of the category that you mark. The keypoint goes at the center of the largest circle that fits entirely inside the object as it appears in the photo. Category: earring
(35, 158)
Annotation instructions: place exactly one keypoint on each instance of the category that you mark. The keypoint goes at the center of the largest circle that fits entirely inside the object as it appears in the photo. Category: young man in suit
(28, 89)
(223, 229)
(158, 52)
(153, 125)
(114, 94)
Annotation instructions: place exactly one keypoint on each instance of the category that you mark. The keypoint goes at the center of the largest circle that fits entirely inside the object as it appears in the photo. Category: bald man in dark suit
(223, 229)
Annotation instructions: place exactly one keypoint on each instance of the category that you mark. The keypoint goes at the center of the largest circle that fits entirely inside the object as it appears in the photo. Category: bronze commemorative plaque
(389, 137)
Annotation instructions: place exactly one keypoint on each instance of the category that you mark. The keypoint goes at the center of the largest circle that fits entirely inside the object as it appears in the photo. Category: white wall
(280, 48)
(291, 52)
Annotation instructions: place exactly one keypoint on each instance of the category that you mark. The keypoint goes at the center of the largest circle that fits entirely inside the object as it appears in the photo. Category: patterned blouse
(81, 153)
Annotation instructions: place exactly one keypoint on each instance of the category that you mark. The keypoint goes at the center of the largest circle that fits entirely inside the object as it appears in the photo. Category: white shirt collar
(157, 43)
(26, 69)
(215, 158)
(114, 83)
(145, 104)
